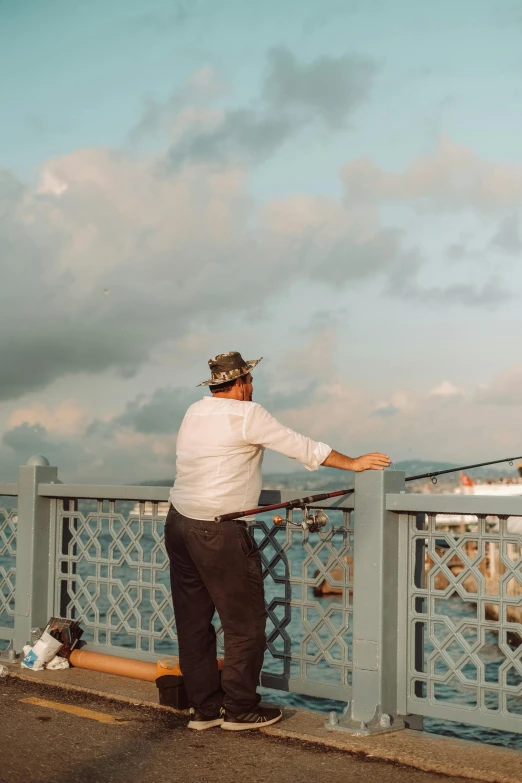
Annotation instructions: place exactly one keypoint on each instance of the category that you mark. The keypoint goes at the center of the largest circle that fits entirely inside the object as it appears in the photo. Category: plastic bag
(68, 631)
(42, 652)
(57, 663)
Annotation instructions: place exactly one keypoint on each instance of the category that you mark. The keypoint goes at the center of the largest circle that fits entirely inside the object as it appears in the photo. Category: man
(217, 565)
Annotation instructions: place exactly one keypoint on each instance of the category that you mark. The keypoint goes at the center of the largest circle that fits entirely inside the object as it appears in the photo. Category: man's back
(217, 469)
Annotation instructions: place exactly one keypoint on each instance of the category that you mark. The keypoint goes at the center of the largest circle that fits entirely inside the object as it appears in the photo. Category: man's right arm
(262, 429)
(373, 461)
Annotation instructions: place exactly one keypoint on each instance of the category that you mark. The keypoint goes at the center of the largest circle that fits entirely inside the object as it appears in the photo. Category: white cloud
(446, 389)
(178, 250)
(452, 178)
(504, 389)
(64, 418)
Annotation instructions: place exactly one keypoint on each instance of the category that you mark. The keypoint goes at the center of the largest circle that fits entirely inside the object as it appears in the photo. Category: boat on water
(504, 487)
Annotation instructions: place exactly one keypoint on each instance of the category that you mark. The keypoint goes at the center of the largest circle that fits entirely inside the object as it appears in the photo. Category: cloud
(399, 403)
(244, 135)
(129, 447)
(434, 427)
(446, 389)
(139, 442)
(313, 359)
(25, 436)
(507, 237)
(457, 251)
(101, 222)
(26, 440)
(329, 88)
(487, 296)
(452, 178)
(385, 411)
(161, 414)
(293, 96)
(127, 457)
(504, 389)
(351, 242)
(66, 417)
(280, 401)
(183, 110)
(112, 255)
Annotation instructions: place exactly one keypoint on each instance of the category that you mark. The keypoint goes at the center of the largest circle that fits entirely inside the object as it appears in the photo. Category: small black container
(172, 692)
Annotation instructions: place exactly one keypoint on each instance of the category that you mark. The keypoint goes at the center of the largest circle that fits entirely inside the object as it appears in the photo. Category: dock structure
(397, 643)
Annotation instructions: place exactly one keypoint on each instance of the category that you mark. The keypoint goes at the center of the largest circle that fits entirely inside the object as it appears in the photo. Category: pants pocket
(248, 544)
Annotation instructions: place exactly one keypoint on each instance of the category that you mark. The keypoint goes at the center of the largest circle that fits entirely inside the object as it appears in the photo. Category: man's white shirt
(219, 454)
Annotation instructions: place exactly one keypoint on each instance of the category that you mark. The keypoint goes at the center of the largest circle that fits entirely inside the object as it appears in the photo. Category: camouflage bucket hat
(227, 367)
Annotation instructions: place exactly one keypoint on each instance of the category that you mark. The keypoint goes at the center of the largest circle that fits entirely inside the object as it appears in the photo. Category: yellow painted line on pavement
(80, 712)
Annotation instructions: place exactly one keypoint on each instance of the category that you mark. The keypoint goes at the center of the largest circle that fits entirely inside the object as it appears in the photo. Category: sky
(333, 185)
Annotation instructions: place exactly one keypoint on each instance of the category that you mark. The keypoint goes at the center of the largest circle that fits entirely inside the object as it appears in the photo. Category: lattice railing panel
(8, 526)
(113, 576)
(309, 594)
(465, 626)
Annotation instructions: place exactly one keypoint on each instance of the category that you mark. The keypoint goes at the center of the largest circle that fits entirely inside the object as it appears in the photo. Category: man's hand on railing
(373, 461)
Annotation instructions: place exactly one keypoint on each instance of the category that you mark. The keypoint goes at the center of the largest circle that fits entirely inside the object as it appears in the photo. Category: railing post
(373, 707)
(32, 550)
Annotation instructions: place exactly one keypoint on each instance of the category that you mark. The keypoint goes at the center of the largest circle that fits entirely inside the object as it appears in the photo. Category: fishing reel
(312, 522)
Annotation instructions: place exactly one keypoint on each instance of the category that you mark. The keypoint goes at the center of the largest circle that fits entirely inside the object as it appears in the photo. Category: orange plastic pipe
(112, 664)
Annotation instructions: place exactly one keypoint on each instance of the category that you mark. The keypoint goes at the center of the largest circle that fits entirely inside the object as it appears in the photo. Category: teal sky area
(76, 75)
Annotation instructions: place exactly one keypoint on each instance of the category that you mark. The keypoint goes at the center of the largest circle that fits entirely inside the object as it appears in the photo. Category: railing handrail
(154, 494)
(104, 492)
(489, 505)
(9, 489)
(407, 502)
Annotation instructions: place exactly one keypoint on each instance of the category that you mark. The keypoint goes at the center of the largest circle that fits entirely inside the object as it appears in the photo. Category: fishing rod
(313, 522)
(464, 467)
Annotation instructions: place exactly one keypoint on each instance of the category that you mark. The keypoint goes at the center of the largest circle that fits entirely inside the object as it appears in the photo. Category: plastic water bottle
(35, 635)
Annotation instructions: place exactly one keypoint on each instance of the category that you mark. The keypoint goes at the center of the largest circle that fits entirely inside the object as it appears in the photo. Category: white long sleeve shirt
(219, 454)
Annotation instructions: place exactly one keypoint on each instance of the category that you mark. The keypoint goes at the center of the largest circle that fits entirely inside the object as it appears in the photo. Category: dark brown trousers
(217, 566)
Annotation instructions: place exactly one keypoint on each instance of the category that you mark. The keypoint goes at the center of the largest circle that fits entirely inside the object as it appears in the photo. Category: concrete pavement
(43, 744)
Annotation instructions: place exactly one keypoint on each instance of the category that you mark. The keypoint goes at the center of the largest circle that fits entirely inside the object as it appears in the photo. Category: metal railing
(381, 609)
(463, 599)
(112, 574)
(8, 526)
